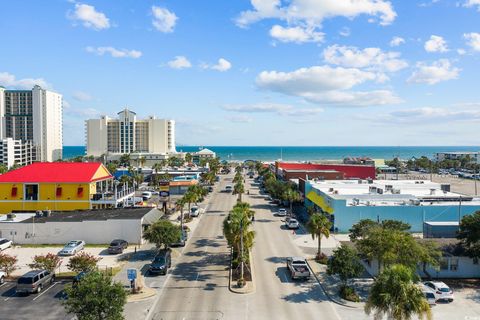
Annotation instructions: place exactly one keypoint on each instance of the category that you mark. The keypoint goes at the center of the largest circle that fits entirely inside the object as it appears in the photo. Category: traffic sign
(132, 274)
(164, 193)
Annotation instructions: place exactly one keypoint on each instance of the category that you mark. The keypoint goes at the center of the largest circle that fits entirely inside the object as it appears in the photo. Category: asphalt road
(45, 305)
(197, 286)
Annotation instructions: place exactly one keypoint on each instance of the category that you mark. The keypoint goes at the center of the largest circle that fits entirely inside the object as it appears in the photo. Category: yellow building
(59, 186)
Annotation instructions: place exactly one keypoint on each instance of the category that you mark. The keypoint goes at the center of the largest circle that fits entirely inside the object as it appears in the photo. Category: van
(34, 281)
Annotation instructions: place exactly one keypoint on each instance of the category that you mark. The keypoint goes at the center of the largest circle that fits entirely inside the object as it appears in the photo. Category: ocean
(290, 153)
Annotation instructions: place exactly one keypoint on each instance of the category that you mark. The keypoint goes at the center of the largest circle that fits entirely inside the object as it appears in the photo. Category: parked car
(194, 211)
(34, 281)
(3, 275)
(72, 248)
(210, 189)
(117, 246)
(282, 212)
(298, 268)
(146, 195)
(182, 241)
(292, 224)
(5, 243)
(161, 263)
(430, 296)
(228, 188)
(78, 278)
(440, 290)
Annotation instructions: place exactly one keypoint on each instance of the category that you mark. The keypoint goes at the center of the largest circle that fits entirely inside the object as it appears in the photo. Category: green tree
(291, 196)
(395, 295)
(245, 208)
(3, 168)
(112, 167)
(83, 262)
(125, 160)
(239, 189)
(8, 263)
(469, 234)
(188, 157)
(96, 297)
(319, 226)
(162, 233)
(49, 261)
(363, 227)
(345, 263)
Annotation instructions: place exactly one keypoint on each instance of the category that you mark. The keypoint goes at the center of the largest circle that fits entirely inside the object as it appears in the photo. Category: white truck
(298, 268)
(3, 275)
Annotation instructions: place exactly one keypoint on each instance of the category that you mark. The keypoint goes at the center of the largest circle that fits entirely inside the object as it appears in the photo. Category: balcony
(109, 197)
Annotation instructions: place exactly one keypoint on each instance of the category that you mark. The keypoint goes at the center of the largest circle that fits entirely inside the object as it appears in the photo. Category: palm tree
(245, 208)
(188, 157)
(291, 196)
(395, 295)
(239, 189)
(318, 226)
(237, 178)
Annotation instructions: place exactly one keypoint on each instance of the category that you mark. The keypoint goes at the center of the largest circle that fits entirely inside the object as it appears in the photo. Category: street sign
(164, 193)
(132, 274)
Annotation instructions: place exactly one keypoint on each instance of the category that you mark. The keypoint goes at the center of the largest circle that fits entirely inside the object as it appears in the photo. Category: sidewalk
(331, 285)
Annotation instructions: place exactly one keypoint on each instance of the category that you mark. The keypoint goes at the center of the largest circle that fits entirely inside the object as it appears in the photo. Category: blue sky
(260, 72)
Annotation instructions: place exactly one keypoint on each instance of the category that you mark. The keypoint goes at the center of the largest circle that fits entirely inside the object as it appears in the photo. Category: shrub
(8, 263)
(83, 262)
(348, 293)
(322, 259)
(48, 262)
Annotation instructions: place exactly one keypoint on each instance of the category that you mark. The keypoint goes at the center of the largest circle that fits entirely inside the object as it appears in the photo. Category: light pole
(115, 196)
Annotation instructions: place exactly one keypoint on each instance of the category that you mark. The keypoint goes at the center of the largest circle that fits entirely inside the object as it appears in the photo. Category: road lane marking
(42, 293)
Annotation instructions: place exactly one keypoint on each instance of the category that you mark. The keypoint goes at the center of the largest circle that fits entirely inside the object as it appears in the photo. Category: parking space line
(14, 292)
(39, 295)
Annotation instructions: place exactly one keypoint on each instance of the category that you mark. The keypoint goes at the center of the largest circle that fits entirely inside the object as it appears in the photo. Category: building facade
(127, 134)
(33, 116)
(474, 156)
(17, 152)
(60, 186)
(414, 202)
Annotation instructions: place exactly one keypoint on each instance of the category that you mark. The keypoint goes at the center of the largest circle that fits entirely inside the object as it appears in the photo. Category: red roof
(57, 172)
(350, 170)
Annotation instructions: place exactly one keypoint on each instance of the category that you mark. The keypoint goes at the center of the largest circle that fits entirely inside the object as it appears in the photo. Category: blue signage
(164, 193)
(132, 274)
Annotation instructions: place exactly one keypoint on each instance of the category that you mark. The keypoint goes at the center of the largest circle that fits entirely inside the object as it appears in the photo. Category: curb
(336, 301)
(249, 286)
(146, 293)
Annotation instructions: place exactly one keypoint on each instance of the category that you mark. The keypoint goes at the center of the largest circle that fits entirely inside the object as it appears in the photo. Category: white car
(440, 290)
(430, 297)
(5, 243)
(282, 212)
(292, 224)
(2, 277)
(228, 188)
(194, 211)
(72, 248)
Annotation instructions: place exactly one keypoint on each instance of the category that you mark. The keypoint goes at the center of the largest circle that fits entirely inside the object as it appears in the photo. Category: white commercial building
(127, 134)
(93, 226)
(474, 156)
(33, 116)
(17, 152)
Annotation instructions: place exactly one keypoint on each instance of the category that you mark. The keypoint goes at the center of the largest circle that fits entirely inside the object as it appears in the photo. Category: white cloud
(461, 51)
(81, 96)
(295, 34)
(438, 71)
(345, 32)
(163, 19)
(89, 17)
(8, 80)
(396, 41)
(180, 62)
(472, 3)
(370, 58)
(240, 118)
(115, 53)
(222, 65)
(436, 44)
(312, 13)
(473, 40)
(280, 109)
(325, 84)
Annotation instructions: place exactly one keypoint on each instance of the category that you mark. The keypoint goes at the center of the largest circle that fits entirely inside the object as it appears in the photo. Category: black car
(161, 263)
(117, 246)
(182, 241)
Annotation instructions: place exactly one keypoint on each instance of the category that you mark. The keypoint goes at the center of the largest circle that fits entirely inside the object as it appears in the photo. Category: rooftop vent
(432, 192)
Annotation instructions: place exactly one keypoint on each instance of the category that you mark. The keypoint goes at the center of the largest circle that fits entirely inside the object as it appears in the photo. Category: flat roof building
(474, 156)
(349, 171)
(414, 202)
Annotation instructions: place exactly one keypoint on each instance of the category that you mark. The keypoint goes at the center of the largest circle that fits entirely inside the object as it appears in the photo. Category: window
(444, 264)
(453, 264)
(59, 192)
(31, 192)
(80, 192)
(14, 192)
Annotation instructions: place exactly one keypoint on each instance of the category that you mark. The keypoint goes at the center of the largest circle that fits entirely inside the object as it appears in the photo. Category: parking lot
(45, 305)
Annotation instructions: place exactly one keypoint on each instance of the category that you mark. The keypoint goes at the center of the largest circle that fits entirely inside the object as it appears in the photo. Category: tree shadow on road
(215, 243)
(276, 259)
(308, 293)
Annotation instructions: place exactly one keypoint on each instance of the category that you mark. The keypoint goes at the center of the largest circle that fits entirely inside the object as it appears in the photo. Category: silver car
(72, 248)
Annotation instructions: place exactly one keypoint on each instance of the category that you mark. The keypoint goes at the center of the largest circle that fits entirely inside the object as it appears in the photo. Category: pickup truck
(2, 277)
(298, 268)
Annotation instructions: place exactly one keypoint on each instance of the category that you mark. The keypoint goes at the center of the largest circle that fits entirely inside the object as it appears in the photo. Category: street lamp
(116, 183)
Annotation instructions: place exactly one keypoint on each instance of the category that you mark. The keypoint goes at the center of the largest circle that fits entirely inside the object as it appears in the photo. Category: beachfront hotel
(412, 201)
(126, 134)
(30, 126)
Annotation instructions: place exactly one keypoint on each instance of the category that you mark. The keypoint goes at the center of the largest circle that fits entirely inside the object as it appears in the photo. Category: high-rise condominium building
(33, 117)
(127, 134)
